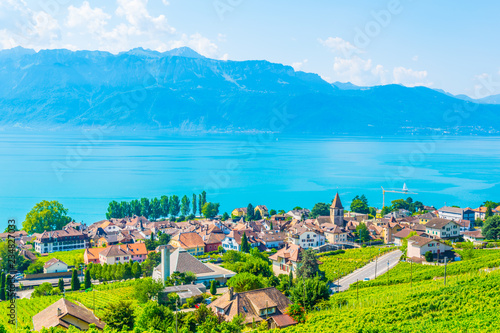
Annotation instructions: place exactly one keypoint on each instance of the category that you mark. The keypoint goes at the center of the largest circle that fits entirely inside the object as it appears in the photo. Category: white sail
(405, 189)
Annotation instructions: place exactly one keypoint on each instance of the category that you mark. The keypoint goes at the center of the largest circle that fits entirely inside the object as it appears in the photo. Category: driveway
(368, 271)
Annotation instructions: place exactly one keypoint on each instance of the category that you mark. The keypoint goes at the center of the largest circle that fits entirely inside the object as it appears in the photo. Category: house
(334, 234)
(273, 240)
(115, 254)
(233, 240)
(400, 213)
(113, 239)
(66, 239)
(402, 234)
(179, 260)
(239, 212)
(189, 241)
(465, 225)
(64, 314)
(55, 265)
(183, 291)
(16, 234)
(389, 229)
(424, 218)
(442, 228)
(299, 214)
(109, 226)
(475, 237)
(279, 217)
(455, 213)
(418, 246)
(336, 214)
(77, 225)
(262, 210)
(91, 255)
(306, 235)
(286, 260)
(255, 306)
(213, 241)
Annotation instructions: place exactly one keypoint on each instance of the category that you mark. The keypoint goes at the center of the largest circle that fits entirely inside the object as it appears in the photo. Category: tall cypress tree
(60, 284)
(194, 204)
(88, 282)
(250, 212)
(75, 282)
(2, 284)
(245, 246)
(200, 203)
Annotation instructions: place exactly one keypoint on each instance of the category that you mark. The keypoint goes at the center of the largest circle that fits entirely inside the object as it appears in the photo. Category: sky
(449, 44)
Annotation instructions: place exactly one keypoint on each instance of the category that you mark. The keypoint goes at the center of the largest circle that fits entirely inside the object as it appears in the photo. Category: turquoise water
(85, 171)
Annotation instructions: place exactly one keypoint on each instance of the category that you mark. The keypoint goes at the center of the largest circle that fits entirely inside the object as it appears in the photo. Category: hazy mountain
(180, 89)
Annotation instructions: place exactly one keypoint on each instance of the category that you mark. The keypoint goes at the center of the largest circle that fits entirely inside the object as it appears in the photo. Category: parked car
(366, 279)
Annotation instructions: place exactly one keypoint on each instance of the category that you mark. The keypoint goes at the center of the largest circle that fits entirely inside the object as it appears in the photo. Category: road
(368, 271)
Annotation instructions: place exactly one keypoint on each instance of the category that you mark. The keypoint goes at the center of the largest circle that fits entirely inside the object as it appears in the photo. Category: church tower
(337, 212)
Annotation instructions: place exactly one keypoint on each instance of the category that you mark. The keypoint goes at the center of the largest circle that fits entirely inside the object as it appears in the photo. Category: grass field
(71, 258)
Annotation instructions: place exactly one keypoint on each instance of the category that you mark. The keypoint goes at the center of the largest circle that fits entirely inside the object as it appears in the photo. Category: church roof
(336, 202)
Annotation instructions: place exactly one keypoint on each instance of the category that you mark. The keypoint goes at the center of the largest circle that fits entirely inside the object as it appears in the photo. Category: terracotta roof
(189, 240)
(52, 262)
(336, 202)
(332, 228)
(214, 238)
(272, 236)
(252, 237)
(403, 233)
(438, 223)
(93, 253)
(66, 232)
(420, 241)
(124, 249)
(284, 320)
(289, 251)
(54, 314)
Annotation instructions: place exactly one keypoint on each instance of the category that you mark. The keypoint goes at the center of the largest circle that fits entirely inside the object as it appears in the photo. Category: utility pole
(376, 262)
(411, 274)
(357, 289)
(445, 260)
(305, 297)
(388, 273)
(176, 309)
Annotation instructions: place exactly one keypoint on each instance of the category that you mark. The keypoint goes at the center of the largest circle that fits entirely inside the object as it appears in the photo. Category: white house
(456, 214)
(475, 236)
(233, 240)
(442, 228)
(334, 234)
(418, 246)
(306, 235)
(55, 265)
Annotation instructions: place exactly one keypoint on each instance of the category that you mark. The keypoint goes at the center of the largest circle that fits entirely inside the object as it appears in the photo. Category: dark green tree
(125, 209)
(60, 284)
(156, 210)
(46, 216)
(185, 205)
(309, 266)
(210, 210)
(257, 215)
(75, 282)
(428, 256)
(154, 318)
(225, 216)
(272, 212)
(362, 232)
(145, 208)
(250, 213)
(320, 209)
(491, 227)
(135, 207)
(2, 290)
(136, 270)
(147, 289)
(174, 205)
(245, 246)
(119, 315)
(309, 292)
(200, 203)
(165, 206)
(203, 197)
(194, 204)
(246, 281)
(88, 281)
(113, 210)
(360, 205)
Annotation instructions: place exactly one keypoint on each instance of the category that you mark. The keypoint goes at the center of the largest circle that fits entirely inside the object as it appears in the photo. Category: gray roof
(438, 223)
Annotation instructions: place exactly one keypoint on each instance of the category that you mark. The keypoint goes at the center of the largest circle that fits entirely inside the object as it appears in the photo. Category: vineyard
(468, 302)
(345, 263)
(104, 295)
(72, 258)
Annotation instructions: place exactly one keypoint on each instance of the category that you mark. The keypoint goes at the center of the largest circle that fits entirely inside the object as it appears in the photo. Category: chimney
(59, 312)
(165, 263)
(231, 293)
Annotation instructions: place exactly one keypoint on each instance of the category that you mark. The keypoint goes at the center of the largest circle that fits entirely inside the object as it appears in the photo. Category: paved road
(368, 271)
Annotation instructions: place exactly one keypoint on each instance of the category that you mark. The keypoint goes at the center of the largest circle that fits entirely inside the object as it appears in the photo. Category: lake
(86, 170)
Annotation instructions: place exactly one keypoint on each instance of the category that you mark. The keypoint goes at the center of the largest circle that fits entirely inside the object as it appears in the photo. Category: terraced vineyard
(27, 308)
(468, 302)
(338, 265)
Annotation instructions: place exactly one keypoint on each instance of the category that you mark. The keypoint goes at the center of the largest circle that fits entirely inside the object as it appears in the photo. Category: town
(167, 264)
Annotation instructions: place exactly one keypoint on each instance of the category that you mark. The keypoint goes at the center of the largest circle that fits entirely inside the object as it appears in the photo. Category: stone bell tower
(337, 212)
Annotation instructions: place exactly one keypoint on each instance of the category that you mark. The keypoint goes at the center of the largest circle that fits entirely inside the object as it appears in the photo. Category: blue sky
(451, 45)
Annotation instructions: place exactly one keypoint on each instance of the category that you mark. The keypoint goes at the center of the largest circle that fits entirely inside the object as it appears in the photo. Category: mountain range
(183, 91)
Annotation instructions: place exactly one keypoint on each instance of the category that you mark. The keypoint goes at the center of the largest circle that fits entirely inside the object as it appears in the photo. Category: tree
(320, 209)
(164, 206)
(250, 212)
(360, 205)
(135, 207)
(210, 210)
(272, 212)
(200, 203)
(185, 205)
(290, 280)
(147, 289)
(2, 285)
(60, 284)
(154, 316)
(75, 282)
(488, 213)
(257, 215)
(45, 289)
(245, 281)
(491, 227)
(362, 232)
(125, 209)
(225, 216)
(194, 204)
(213, 288)
(174, 205)
(308, 292)
(145, 207)
(245, 246)
(113, 210)
(87, 282)
(428, 256)
(156, 210)
(136, 270)
(46, 215)
(119, 315)
(296, 312)
(203, 198)
(35, 268)
(309, 266)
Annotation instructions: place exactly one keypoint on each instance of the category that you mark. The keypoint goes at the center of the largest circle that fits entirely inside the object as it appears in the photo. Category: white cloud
(298, 65)
(415, 58)
(93, 19)
(410, 77)
(199, 43)
(340, 46)
(140, 20)
(166, 3)
(359, 71)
